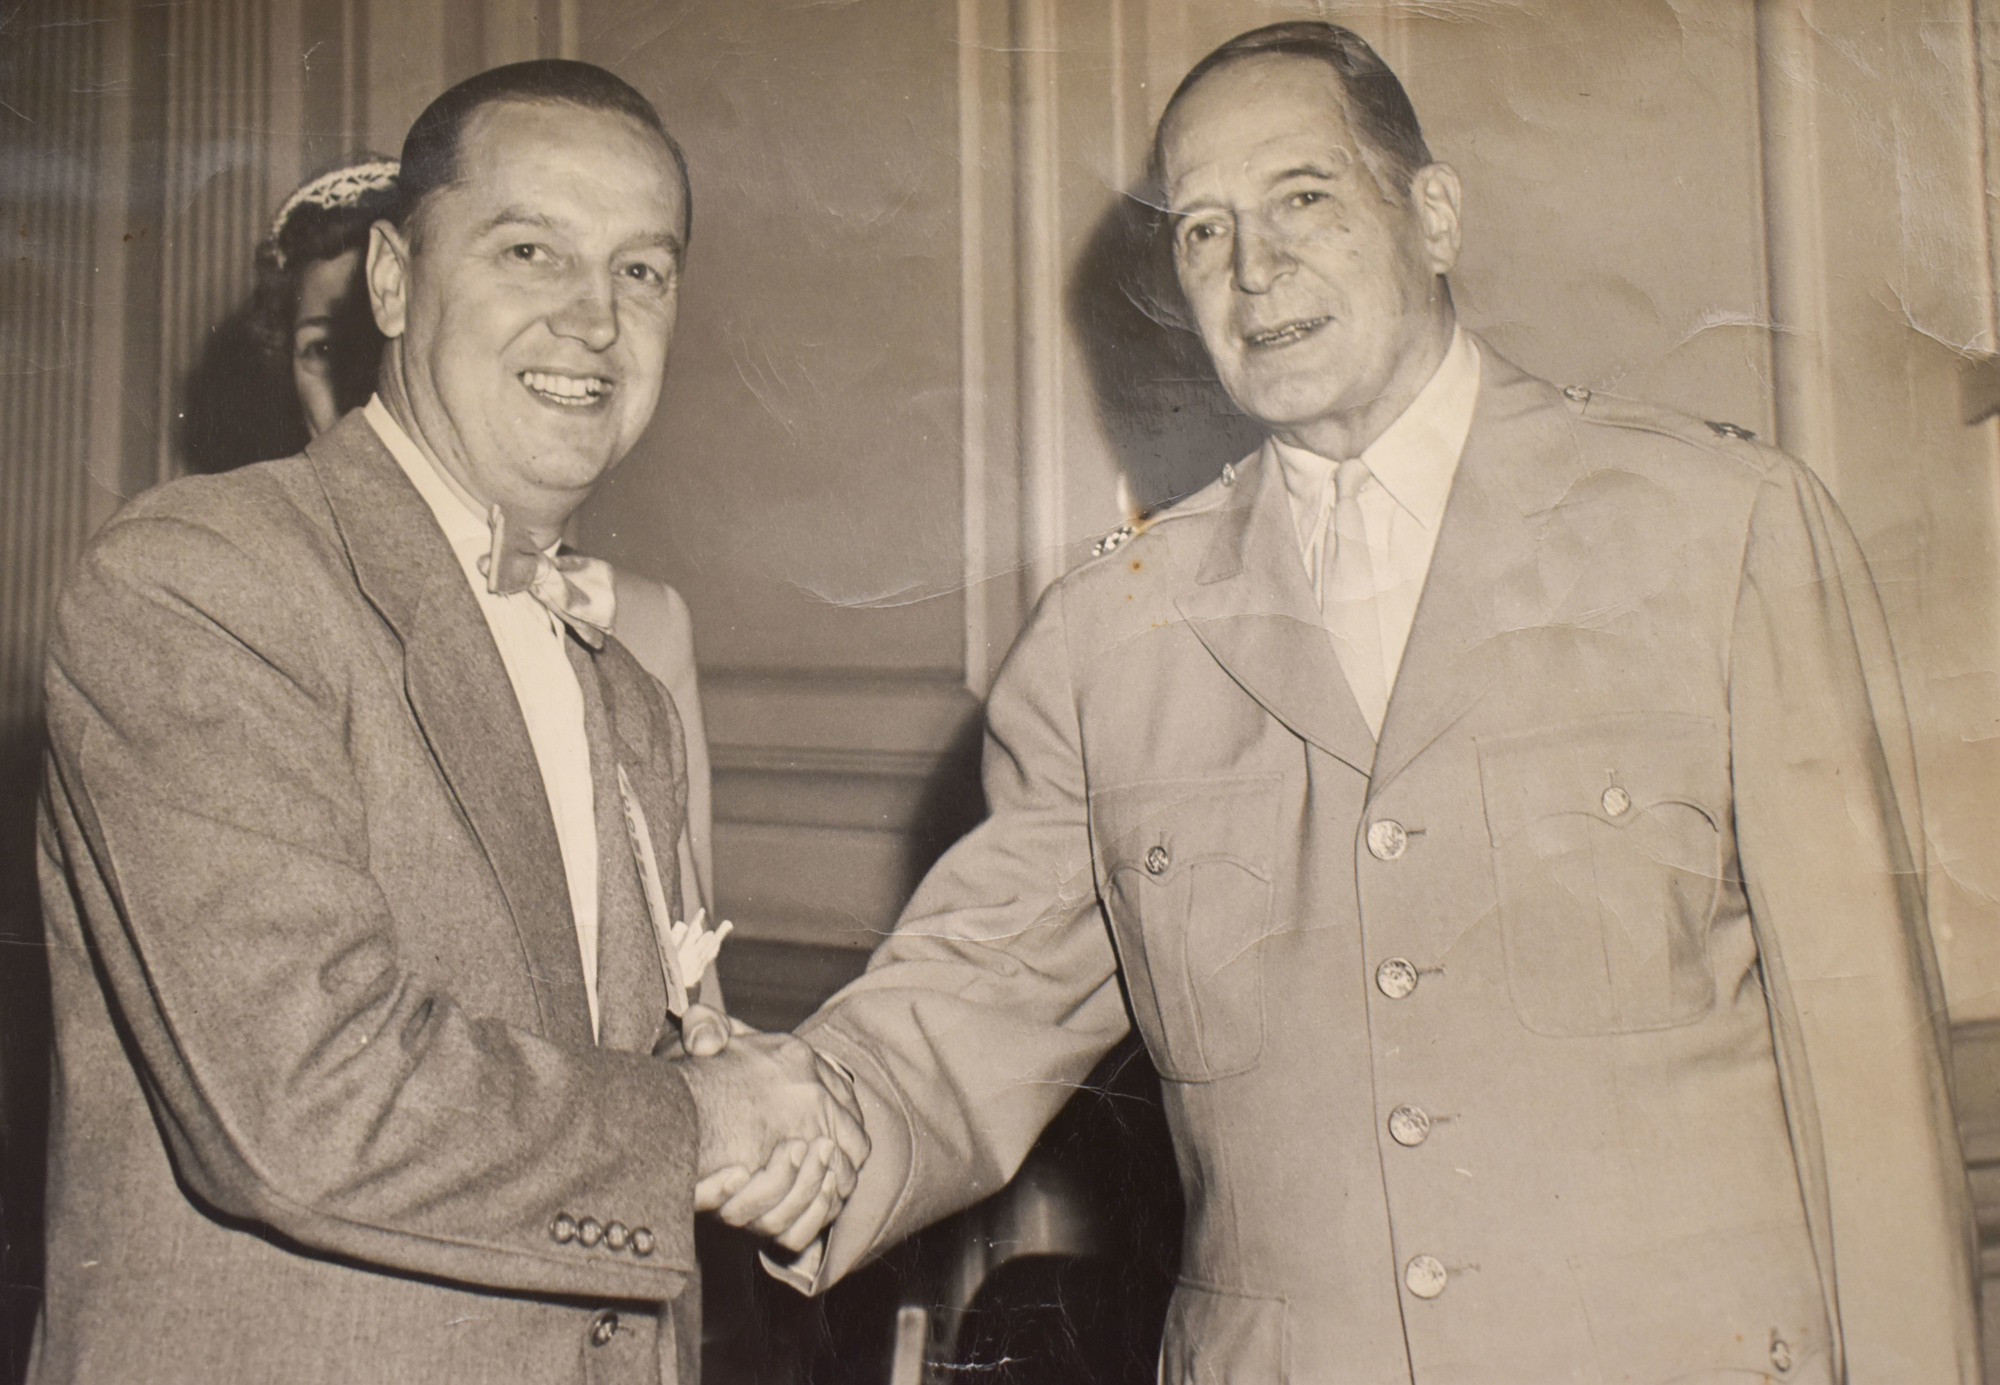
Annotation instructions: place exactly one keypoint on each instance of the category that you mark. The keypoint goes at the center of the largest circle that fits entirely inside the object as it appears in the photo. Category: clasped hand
(781, 1133)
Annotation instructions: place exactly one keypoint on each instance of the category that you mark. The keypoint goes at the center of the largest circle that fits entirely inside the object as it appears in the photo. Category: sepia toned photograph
(1045, 692)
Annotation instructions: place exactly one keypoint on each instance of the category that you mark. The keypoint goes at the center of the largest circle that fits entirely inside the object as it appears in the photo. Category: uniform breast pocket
(1607, 856)
(1185, 870)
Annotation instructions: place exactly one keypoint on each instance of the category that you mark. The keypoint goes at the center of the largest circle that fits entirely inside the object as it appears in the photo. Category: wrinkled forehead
(1254, 116)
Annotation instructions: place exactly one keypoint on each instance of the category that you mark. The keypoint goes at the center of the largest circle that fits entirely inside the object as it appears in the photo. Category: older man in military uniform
(1491, 803)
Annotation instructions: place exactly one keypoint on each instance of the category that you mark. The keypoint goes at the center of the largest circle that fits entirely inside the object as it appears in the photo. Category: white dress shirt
(1411, 467)
(545, 686)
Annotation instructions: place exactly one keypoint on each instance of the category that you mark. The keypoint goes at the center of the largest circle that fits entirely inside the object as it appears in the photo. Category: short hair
(1377, 106)
(431, 151)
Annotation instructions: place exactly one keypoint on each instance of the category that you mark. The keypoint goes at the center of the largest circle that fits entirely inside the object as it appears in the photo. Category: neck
(1349, 433)
(538, 525)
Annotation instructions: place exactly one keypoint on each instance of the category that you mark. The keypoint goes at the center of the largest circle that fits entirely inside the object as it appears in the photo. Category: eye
(527, 253)
(1305, 198)
(1195, 234)
(640, 272)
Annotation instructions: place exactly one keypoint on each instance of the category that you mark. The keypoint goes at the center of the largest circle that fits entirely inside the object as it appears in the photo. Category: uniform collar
(1415, 458)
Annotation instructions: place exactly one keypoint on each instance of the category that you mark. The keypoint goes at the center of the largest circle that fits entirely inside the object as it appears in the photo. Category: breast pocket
(1607, 858)
(1185, 870)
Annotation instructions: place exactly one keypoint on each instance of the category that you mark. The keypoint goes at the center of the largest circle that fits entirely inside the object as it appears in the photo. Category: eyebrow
(522, 216)
(1308, 171)
(517, 216)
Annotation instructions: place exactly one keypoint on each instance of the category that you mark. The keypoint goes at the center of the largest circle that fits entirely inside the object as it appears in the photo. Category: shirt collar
(1415, 458)
(464, 527)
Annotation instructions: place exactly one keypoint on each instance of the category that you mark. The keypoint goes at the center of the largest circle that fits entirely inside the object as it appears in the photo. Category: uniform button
(1387, 840)
(1616, 802)
(563, 1228)
(642, 1241)
(1396, 978)
(1408, 1125)
(1576, 394)
(1424, 1276)
(615, 1235)
(1157, 860)
(589, 1232)
(603, 1328)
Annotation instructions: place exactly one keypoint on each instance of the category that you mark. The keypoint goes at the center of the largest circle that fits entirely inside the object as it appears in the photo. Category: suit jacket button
(563, 1228)
(1396, 978)
(1387, 840)
(1157, 860)
(1425, 1276)
(1616, 802)
(1409, 1126)
(615, 1235)
(589, 1232)
(603, 1328)
(642, 1241)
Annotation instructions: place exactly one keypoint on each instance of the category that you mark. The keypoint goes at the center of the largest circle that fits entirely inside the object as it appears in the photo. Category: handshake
(781, 1129)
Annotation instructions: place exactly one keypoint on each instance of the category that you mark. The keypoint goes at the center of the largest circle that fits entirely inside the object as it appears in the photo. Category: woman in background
(310, 303)
(304, 350)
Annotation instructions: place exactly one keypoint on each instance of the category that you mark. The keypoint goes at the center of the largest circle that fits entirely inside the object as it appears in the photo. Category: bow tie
(576, 590)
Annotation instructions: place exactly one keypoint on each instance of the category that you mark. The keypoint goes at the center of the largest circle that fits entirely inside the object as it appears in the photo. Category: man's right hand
(769, 1103)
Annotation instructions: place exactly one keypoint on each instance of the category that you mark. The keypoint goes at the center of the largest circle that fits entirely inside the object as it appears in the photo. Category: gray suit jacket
(324, 1075)
(1585, 1031)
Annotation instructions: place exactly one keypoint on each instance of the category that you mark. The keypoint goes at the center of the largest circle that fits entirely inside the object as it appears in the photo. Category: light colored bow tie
(575, 589)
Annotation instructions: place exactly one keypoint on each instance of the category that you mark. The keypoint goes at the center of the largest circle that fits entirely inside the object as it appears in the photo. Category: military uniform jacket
(1585, 1031)
(326, 1099)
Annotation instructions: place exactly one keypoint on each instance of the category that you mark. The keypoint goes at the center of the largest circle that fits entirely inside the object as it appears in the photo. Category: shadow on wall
(1169, 423)
(24, 1047)
(237, 405)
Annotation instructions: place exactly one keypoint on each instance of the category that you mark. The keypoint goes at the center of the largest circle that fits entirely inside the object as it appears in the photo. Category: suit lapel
(1252, 609)
(1519, 458)
(460, 694)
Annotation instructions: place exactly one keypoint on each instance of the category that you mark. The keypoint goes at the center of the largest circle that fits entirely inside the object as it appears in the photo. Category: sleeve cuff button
(563, 1229)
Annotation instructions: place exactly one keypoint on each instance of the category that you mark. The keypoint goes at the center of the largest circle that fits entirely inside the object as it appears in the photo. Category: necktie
(1346, 589)
(575, 589)
(631, 989)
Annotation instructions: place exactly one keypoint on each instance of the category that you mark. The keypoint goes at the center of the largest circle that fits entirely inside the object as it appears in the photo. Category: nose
(1260, 259)
(590, 313)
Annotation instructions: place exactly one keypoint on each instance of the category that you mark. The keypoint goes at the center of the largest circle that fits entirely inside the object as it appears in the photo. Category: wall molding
(1795, 255)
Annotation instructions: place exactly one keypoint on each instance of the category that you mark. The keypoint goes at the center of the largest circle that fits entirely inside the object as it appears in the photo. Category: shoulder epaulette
(1197, 503)
(1632, 413)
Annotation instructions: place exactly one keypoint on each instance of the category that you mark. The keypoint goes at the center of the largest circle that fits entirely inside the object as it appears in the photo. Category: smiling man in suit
(356, 982)
(1493, 807)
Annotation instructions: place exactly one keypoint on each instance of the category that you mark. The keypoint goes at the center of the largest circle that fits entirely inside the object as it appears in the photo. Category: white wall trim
(1037, 100)
(1795, 247)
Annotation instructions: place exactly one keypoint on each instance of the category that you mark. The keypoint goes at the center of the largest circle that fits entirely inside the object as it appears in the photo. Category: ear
(388, 278)
(1434, 193)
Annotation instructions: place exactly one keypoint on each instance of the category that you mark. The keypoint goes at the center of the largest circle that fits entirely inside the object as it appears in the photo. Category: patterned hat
(343, 187)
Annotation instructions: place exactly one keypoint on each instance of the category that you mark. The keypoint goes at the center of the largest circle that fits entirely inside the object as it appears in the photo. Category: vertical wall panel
(52, 111)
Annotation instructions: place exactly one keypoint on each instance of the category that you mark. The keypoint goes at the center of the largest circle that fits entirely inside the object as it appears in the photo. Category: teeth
(567, 389)
(1290, 332)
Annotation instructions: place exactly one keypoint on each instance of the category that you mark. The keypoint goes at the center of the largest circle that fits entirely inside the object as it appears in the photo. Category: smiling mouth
(568, 391)
(1287, 334)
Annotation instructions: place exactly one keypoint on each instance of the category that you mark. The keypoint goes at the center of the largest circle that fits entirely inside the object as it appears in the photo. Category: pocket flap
(1612, 769)
(1163, 826)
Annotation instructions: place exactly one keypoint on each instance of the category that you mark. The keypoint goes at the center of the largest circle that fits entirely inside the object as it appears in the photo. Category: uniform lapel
(460, 694)
(1519, 458)
(1252, 609)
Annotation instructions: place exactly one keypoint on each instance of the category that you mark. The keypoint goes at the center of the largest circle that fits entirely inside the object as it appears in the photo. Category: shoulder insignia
(1113, 540)
(1731, 430)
